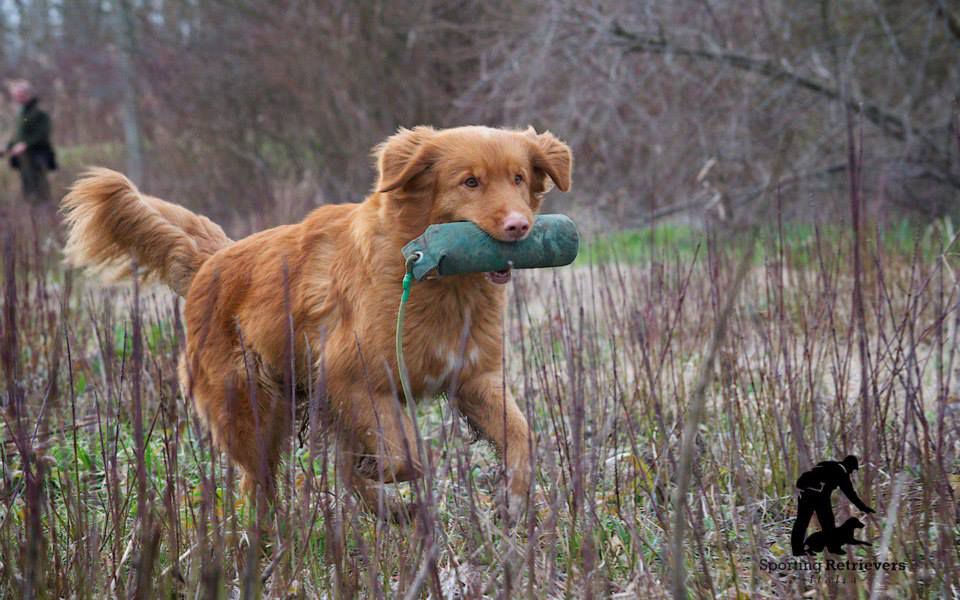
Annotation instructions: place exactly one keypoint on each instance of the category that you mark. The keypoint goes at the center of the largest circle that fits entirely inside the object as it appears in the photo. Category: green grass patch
(799, 240)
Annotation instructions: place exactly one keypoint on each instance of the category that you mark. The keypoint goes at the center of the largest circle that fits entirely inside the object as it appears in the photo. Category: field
(769, 198)
(110, 486)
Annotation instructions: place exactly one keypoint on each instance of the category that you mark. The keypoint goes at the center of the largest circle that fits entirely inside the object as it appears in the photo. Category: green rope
(401, 362)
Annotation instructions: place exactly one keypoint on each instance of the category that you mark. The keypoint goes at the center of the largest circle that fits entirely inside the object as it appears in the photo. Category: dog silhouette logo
(836, 539)
(816, 488)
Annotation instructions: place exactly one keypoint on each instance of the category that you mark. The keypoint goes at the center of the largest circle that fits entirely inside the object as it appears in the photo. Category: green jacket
(33, 129)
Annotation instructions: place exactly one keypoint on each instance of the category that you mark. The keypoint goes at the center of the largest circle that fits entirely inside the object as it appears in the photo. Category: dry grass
(110, 487)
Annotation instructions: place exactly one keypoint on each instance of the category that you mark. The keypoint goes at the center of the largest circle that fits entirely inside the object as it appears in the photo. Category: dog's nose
(516, 226)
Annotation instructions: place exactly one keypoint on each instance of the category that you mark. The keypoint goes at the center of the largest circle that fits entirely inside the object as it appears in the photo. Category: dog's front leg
(492, 411)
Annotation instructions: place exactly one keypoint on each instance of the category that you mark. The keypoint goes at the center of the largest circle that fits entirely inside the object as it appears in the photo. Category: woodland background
(243, 107)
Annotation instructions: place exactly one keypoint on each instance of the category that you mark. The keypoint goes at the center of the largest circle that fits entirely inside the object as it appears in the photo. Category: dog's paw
(396, 512)
(512, 509)
(366, 467)
(405, 513)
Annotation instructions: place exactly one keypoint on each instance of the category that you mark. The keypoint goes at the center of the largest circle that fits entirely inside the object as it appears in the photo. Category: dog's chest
(447, 347)
(446, 364)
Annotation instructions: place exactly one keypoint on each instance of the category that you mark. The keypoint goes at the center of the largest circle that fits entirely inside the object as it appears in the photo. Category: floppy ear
(402, 157)
(552, 157)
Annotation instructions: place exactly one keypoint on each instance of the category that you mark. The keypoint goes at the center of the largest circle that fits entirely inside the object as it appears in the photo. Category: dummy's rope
(401, 312)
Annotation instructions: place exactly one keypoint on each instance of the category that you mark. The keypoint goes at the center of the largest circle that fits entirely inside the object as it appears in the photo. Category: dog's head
(853, 523)
(495, 178)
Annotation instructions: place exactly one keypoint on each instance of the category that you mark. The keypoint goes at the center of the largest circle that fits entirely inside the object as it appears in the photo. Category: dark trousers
(809, 502)
(33, 176)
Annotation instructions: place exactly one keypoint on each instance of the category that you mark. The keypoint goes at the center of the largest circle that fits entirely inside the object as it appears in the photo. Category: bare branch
(885, 119)
(953, 22)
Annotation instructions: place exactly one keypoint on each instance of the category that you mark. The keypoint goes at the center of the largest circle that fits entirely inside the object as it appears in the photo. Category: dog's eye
(518, 179)
(471, 182)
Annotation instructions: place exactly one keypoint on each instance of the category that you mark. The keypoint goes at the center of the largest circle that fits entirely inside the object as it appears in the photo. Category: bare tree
(672, 108)
(126, 38)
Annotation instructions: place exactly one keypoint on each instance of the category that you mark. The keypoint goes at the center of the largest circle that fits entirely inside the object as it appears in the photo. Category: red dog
(338, 274)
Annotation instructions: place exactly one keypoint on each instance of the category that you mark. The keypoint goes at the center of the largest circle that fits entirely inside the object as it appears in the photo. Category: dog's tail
(112, 225)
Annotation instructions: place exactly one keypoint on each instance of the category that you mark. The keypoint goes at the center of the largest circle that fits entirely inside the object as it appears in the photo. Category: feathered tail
(110, 224)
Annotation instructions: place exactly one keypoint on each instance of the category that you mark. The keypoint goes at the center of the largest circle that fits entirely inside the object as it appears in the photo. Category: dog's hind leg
(377, 445)
(249, 427)
(384, 443)
(259, 426)
(373, 495)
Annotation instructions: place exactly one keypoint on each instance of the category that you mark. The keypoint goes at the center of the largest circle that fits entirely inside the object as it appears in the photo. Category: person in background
(30, 150)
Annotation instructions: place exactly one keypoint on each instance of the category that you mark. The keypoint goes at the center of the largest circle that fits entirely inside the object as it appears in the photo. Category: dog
(835, 539)
(320, 298)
